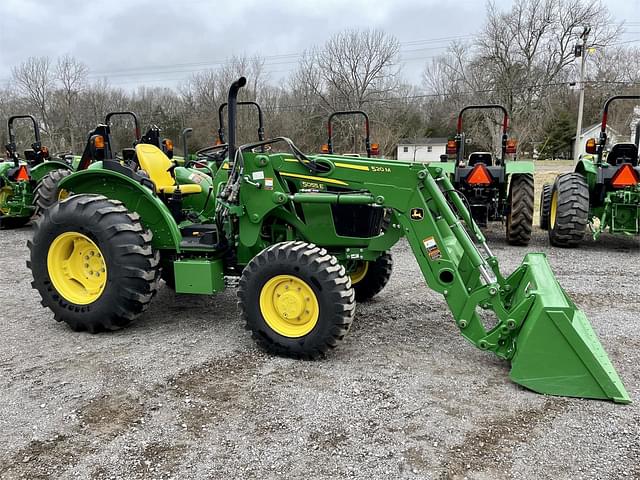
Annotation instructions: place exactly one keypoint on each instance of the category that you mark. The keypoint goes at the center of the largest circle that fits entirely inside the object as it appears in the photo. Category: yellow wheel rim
(289, 306)
(359, 273)
(5, 194)
(554, 209)
(63, 194)
(76, 268)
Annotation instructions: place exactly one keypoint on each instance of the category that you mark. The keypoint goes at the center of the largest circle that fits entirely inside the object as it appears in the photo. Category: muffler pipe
(232, 108)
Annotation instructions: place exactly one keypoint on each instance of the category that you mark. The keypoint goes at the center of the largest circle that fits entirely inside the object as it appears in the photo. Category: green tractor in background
(495, 189)
(603, 191)
(97, 256)
(23, 182)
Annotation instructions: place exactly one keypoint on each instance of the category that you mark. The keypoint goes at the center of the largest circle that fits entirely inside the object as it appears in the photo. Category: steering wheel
(211, 151)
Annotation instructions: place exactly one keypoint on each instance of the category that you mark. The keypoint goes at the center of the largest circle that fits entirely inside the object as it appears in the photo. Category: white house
(593, 131)
(421, 149)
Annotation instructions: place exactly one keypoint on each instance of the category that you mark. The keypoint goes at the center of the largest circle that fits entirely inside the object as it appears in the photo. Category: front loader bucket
(557, 352)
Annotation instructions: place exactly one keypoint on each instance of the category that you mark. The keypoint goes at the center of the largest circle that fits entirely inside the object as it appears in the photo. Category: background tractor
(495, 188)
(21, 184)
(602, 192)
(97, 256)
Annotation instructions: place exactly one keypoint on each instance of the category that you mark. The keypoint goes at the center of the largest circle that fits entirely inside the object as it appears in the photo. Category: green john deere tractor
(97, 256)
(24, 181)
(373, 149)
(495, 189)
(602, 192)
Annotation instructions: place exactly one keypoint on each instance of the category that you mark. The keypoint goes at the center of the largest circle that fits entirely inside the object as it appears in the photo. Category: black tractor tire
(520, 217)
(545, 205)
(375, 279)
(46, 192)
(569, 220)
(318, 271)
(131, 264)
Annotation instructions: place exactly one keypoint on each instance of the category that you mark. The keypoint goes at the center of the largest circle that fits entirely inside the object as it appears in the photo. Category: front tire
(545, 205)
(569, 210)
(369, 278)
(520, 218)
(296, 299)
(92, 263)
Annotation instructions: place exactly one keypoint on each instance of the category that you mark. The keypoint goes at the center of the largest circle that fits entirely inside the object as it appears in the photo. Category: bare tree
(522, 57)
(35, 81)
(72, 75)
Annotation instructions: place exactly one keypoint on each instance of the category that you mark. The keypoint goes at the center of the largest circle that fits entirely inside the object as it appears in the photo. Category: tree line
(522, 58)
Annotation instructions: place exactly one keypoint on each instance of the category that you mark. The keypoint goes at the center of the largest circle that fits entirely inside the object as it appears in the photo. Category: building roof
(423, 141)
(595, 126)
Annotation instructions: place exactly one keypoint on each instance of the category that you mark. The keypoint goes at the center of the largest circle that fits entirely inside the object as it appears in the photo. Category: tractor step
(199, 236)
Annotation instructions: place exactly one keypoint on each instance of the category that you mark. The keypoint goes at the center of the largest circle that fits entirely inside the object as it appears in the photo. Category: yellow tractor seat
(153, 161)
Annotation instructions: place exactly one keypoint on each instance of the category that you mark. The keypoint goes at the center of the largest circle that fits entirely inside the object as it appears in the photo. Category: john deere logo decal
(417, 214)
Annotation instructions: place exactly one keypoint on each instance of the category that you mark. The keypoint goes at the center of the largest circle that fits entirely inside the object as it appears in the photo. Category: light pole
(581, 51)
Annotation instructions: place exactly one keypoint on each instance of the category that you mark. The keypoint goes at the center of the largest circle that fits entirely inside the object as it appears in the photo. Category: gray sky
(159, 42)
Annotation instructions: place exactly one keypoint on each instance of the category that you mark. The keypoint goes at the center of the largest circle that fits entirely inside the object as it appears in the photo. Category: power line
(292, 57)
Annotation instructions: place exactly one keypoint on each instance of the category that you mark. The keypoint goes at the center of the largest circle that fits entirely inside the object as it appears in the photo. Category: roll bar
(602, 141)
(367, 131)
(260, 120)
(489, 106)
(107, 121)
(12, 146)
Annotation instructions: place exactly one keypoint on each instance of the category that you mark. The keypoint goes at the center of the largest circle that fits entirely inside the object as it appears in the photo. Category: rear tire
(46, 192)
(569, 210)
(306, 320)
(520, 218)
(545, 205)
(115, 237)
(377, 276)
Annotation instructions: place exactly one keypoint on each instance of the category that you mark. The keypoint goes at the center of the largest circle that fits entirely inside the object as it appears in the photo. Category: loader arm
(533, 323)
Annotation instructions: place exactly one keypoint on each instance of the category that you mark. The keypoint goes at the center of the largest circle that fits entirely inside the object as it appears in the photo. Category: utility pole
(580, 51)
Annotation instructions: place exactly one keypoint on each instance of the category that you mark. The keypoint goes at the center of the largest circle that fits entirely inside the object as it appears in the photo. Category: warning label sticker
(268, 183)
(196, 178)
(432, 248)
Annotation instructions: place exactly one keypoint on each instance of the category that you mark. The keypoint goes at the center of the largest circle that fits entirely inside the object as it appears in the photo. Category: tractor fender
(586, 167)
(589, 171)
(5, 167)
(40, 171)
(138, 198)
(518, 167)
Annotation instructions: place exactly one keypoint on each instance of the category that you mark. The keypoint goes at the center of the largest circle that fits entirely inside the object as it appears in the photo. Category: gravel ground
(185, 393)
